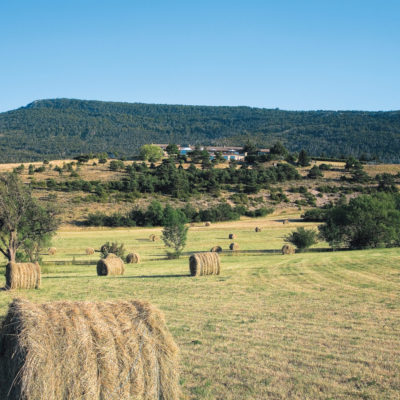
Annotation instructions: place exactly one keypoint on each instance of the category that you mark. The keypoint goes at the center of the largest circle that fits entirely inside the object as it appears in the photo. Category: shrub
(302, 238)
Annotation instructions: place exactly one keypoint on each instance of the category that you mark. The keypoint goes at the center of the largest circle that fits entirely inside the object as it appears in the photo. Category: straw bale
(216, 249)
(89, 251)
(204, 264)
(111, 265)
(258, 229)
(52, 251)
(232, 236)
(285, 221)
(287, 249)
(208, 223)
(153, 238)
(22, 275)
(234, 246)
(70, 350)
(133, 258)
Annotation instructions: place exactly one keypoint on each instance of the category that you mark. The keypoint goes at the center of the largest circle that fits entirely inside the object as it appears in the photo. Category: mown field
(317, 325)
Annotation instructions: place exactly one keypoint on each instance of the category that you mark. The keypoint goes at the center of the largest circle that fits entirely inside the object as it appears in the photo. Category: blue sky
(296, 55)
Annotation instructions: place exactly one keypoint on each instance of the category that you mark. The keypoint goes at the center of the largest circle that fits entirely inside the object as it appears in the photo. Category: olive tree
(24, 224)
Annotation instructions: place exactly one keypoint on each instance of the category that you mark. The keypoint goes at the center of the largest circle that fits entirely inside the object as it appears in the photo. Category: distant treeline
(61, 128)
(168, 179)
(157, 215)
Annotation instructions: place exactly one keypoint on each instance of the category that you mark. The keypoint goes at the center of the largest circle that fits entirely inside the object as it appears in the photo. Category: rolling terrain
(62, 128)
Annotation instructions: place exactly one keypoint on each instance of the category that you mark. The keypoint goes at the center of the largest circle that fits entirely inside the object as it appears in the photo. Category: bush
(302, 238)
(118, 250)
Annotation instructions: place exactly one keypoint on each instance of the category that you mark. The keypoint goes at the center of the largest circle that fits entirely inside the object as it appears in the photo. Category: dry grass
(111, 265)
(74, 350)
(22, 276)
(204, 264)
(315, 325)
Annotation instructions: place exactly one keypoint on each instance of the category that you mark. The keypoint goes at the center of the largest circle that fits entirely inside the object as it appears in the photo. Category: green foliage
(24, 224)
(172, 150)
(114, 248)
(365, 222)
(116, 165)
(151, 153)
(62, 128)
(302, 238)
(315, 173)
(303, 159)
(174, 234)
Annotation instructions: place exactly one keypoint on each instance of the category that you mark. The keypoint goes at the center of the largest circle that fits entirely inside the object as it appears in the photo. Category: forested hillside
(62, 128)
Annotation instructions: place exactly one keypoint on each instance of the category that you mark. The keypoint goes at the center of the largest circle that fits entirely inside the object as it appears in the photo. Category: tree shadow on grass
(156, 276)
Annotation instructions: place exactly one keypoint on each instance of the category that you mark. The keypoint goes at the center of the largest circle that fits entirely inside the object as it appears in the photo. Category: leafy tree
(353, 163)
(23, 222)
(151, 153)
(386, 183)
(114, 248)
(174, 233)
(302, 238)
(172, 150)
(365, 222)
(304, 159)
(315, 172)
(279, 149)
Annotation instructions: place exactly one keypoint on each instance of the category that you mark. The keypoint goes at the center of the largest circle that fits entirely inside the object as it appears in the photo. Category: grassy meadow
(316, 325)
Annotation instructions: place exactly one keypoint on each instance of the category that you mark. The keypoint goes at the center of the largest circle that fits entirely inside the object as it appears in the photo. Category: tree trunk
(12, 247)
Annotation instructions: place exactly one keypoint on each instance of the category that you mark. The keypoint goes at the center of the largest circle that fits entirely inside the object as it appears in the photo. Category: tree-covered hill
(62, 128)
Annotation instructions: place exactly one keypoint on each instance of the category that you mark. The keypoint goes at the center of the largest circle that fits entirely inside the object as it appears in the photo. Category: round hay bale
(285, 221)
(22, 276)
(153, 238)
(52, 251)
(208, 223)
(204, 264)
(111, 265)
(91, 350)
(192, 224)
(89, 251)
(133, 258)
(216, 249)
(232, 236)
(287, 249)
(258, 229)
(234, 246)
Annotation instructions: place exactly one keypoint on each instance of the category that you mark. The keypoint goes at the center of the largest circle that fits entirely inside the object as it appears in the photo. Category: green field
(317, 325)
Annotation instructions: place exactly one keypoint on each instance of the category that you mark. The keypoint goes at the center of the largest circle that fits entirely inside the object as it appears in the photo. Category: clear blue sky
(297, 55)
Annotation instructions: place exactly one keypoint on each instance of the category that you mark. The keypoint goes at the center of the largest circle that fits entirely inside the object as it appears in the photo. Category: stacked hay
(234, 246)
(52, 251)
(258, 229)
(287, 249)
(192, 224)
(216, 249)
(208, 223)
(232, 236)
(89, 251)
(204, 264)
(285, 221)
(153, 238)
(111, 265)
(133, 258)
(69, 350)
(22, 275)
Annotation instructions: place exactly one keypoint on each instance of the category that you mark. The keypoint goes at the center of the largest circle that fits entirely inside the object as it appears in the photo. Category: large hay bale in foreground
(22, 275)
(234, 246)
(208, 223)
(52, 251)
(258, 229)
(287, 249)
(216, 249)
(133, 258)
(89, 251)
(69, 350)
(111, 265)
(232, 236)
(204, 264)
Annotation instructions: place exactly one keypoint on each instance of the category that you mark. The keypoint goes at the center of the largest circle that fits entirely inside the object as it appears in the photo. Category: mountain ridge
(60, 128)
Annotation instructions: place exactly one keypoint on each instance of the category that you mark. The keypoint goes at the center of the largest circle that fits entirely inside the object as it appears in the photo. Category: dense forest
(62, 128)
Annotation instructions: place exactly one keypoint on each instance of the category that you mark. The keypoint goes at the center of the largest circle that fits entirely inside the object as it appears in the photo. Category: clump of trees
(302, 238)
(366, 221)
(25, 225)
